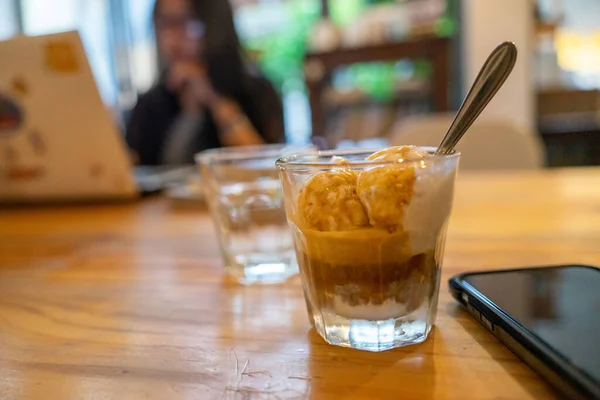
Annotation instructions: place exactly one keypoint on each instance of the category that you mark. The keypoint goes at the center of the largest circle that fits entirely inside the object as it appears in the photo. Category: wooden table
(130, 301)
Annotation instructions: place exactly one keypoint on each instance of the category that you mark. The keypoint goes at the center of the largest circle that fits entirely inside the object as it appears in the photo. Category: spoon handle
(492, 75)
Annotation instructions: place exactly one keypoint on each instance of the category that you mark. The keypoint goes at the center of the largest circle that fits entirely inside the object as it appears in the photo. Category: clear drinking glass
(244, 196)
(369, 238)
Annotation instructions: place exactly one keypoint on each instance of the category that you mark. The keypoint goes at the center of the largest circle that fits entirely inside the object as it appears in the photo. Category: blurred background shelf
(352, 68)
(320, 66)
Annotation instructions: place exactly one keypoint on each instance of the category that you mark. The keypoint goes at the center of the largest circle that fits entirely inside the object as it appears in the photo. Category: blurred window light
(144, 65)
(579, 53)
(91, 18)
(41, 17)
(8, 21)
(580, 15)
(121, 48)
(118, 36)
(259, 20)
(572, 50)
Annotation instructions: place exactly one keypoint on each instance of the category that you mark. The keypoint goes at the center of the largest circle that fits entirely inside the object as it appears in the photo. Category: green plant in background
(380, 1)
(281, 54)
(375, 79)
(445, 26)
(344, 12)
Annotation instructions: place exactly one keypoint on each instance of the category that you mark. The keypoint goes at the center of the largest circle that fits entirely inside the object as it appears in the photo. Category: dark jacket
(157, 110)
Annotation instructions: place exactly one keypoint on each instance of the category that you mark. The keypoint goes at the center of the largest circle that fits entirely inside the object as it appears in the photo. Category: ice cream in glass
(369, 230)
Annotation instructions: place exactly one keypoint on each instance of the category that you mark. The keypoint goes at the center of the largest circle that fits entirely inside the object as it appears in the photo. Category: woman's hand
(191, 82)
(235, 129)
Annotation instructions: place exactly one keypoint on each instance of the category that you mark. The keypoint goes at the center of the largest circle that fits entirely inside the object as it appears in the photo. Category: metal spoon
(490, 79)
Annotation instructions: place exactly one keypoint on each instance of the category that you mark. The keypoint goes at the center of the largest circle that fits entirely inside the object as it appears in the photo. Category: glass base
(262, 269)
(370, 335)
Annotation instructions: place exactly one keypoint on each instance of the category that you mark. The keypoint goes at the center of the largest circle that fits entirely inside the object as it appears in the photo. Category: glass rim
(252, 152)
(294, 160)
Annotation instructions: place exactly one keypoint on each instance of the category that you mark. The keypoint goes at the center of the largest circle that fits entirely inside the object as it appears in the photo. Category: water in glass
(253, 231)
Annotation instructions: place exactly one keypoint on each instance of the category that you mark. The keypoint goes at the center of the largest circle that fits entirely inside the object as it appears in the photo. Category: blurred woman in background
(206, 97)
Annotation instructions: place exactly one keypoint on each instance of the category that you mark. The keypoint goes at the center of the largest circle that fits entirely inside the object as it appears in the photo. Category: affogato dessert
(369, 238)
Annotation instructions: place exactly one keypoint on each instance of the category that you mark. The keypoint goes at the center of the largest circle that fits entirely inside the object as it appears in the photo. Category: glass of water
(244, 196)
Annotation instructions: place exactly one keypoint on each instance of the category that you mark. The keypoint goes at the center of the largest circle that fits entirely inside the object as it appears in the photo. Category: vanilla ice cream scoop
(397, 153)
(386, 190)
(430, 204)
(408, 196)
(328, 202)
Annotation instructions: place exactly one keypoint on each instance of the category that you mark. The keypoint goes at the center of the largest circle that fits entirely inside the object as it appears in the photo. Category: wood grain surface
(130, 302)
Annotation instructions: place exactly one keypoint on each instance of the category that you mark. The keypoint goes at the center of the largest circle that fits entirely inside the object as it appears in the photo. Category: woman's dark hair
(222, 52)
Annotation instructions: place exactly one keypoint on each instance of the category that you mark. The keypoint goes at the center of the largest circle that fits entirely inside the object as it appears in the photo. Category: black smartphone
(548, 316)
